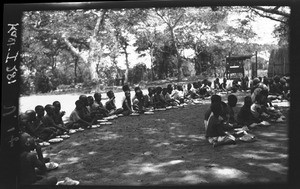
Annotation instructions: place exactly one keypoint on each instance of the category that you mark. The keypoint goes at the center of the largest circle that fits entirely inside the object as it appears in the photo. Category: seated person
(97, 107)
(260, 111)
(57, 115)
(78, 119)
(232, 101)
(40, 130)
(191, 92)
(149, 98)
(110, 104)
(28, 122)
(158, 100)
(178, 94)
(224, 85)
(29, 161)
(85, 109)
(217, 84)
(205, 89)
(245, 116)
(126, 103)
(48, 120)
(214, 132)
(170, 101)
(214, 99)
(139, 101)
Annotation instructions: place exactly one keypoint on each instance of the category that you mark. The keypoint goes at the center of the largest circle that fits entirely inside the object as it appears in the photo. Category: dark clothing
(214, 127)
(245, 116)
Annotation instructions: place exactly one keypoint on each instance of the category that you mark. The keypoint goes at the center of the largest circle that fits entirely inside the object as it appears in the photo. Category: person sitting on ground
(204, 89)
(214, 132)
(191, 92)
(148, 98)
(29, 119)
(244, 84)
(260, 111)
(86, 108)
(235, 86)
(40, 130)
(48, 120)
(57, 115)
(126, 102)
(29, 161)
(139, 101)
(217, 84)
(110, 105)
(214, 99)
(97, 107)
(77, 119)
(230, 123)
(245, 116)
(158, 101)
(179, 95)
(167, 97)
(224, 85)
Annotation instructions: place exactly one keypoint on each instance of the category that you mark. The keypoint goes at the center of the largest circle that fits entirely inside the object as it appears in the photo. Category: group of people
(219, 120)
(223, 127)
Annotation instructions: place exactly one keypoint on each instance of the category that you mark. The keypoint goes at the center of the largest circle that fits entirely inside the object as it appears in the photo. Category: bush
(42, 83)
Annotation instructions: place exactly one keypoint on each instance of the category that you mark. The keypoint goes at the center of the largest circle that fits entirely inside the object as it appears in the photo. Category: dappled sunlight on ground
(169, 148)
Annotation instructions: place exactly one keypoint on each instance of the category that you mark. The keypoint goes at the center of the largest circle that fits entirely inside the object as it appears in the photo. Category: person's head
(150, 91)
(255, 81)
(110, 94)
(195, 85)
(282, 81)
(90, 100)
(40, 111)
(84, 99)
(170, 88)
(164, 91)
(79, 104)
(276, 79)
(232, 100)
(204, 82)
(216, 109)
(31, 115)
(137, 89)
(208, 83)
(57, 106)
(126, 88)
(224, 80)
(23, 118)
(215, 99)
(49, 109)
(98, 97)
(158, 90)
(27, 142)
(247, 101)
(266, 81)
(179, 88)
(217, 80)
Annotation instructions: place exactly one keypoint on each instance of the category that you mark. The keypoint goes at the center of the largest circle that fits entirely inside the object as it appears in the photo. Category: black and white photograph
(141, 94)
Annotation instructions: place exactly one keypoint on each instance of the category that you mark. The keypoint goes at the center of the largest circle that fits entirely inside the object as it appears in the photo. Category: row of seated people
(276, 85)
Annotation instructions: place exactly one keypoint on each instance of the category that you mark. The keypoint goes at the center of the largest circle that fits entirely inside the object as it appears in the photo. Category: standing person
(126, 103)
(29, 161)
(110, 105)
(214, 132)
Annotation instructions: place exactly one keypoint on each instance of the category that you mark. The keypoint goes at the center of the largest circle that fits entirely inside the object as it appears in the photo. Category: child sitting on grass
(158, 101)
(48, 120)
(126, 103)
(77, 119)
(214, 132)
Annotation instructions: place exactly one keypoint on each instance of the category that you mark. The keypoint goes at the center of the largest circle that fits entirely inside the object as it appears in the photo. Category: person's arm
(52, 124)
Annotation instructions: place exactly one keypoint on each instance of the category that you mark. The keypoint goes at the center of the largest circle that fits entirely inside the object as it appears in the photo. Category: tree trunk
(127, 65)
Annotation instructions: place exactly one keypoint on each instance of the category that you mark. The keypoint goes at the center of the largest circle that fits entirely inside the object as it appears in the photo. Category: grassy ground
(169, 148)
